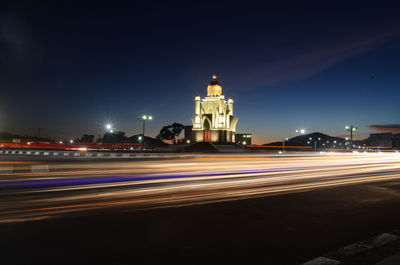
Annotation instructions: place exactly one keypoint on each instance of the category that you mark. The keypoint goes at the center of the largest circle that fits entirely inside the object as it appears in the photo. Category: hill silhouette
(321, 139)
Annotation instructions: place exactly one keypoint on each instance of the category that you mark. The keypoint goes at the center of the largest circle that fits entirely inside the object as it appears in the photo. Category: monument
(213, 120)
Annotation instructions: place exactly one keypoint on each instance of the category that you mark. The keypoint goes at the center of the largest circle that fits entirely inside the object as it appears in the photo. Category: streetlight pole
(109, 128)
(283, 144)
(107, 135)
(144, 127)
(301, 131)
(351, 129)
(144, 118)
(315, 143)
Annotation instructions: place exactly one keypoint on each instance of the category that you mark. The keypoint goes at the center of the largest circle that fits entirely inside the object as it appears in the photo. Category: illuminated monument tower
(213, 120)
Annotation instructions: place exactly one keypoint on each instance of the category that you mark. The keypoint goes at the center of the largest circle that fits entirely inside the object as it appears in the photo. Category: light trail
(134, 185)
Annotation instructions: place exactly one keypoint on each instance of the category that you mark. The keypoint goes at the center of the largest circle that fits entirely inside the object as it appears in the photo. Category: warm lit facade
(213, 120)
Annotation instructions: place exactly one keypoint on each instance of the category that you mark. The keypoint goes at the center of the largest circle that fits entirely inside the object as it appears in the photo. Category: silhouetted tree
(171, 132)
(166, 133)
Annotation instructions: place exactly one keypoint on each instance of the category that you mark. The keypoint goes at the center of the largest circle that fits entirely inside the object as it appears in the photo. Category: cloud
(395, 128)
(305, 65)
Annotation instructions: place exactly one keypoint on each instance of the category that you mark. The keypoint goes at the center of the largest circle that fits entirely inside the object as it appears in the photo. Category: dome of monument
(214, 88)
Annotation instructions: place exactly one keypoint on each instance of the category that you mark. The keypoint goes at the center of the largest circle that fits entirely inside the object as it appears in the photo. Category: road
(283, 209)
(84, 187)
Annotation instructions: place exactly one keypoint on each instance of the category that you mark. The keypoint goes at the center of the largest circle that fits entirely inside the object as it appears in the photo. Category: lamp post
(109, 128)
(283, 143)
(302, 132)
(144, 118)
(315, 143)
(351, 129)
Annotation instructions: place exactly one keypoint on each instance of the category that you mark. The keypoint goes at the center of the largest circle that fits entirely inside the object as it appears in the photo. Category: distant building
(243, 138)
(213, 120)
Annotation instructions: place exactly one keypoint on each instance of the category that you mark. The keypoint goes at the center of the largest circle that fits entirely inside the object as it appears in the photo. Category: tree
(171, 132)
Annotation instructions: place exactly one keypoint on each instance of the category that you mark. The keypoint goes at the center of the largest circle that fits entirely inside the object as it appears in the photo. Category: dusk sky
(70, 68)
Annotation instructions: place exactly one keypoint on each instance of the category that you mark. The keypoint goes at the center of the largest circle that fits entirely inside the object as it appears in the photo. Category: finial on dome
(214, 88)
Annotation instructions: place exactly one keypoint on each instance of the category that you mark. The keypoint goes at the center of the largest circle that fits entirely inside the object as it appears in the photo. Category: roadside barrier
(85, 154)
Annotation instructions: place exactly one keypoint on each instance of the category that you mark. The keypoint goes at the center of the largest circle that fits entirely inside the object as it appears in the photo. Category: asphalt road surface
(226, 208)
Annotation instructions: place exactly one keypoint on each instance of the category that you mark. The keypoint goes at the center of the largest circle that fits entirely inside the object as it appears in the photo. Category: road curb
(342, 255)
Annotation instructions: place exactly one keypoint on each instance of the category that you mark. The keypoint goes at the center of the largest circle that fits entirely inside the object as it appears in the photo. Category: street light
(283, 143)
(109, 128)
(351, 129)
(144, 118)
(302, 132)
(315, 142)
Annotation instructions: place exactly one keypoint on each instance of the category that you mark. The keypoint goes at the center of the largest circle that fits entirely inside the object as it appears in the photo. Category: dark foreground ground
(282, 229)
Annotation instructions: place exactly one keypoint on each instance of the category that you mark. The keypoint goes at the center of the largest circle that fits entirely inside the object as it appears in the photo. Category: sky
(71, 67)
